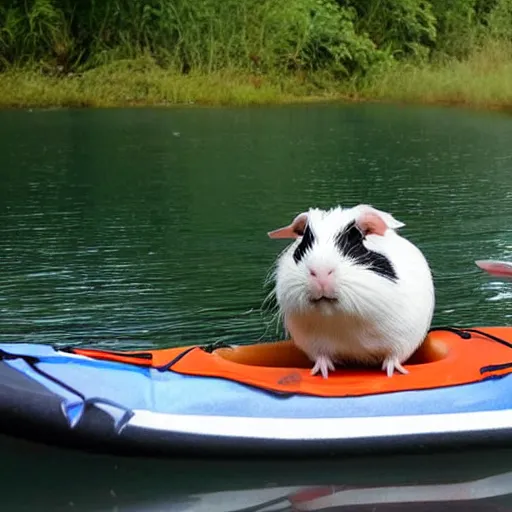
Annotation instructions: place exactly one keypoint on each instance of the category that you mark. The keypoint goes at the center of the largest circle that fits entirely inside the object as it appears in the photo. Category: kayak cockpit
(284, 354)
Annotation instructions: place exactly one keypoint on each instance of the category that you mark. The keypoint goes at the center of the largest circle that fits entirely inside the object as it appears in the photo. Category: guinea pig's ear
(375, 222)
(293, 230)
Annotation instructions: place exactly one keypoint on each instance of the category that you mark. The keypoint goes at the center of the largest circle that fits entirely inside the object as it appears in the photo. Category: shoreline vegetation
(116, 53)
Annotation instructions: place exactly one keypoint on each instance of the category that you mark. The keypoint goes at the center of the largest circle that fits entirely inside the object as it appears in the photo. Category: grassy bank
(483, 80)
(139, 83)
(241, 52)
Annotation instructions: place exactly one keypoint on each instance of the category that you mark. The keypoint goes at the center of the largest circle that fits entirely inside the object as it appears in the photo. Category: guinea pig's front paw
(391, 364)
(322, 364)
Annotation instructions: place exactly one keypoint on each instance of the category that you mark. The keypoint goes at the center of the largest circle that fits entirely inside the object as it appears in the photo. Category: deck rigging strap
(466, 334)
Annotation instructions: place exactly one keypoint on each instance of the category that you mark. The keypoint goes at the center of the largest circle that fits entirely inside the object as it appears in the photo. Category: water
(147, 227)
(42, 478)
(140, 228)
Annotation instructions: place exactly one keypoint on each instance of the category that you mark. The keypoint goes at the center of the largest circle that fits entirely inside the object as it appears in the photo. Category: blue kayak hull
(70, 400)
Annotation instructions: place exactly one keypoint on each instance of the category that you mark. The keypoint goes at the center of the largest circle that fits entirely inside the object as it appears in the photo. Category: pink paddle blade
(496, 267)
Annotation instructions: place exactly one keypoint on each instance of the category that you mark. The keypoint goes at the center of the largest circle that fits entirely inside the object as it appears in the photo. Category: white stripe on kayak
(322, 428)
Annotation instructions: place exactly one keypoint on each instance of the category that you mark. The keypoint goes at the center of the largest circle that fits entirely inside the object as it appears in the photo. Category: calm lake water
(147, 227)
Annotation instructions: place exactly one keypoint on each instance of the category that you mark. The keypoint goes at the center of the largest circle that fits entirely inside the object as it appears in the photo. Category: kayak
(258, 399)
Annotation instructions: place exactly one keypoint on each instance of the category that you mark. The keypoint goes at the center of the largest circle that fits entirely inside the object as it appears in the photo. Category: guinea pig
(351, 289)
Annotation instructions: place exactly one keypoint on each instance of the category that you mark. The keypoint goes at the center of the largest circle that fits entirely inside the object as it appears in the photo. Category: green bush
(207, 35)
(344, 38)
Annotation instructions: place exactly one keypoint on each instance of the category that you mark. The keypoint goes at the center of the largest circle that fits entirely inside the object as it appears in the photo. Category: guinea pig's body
(350, 289)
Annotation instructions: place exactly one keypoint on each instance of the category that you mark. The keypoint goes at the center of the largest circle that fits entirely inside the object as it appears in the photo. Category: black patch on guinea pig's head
(350, 244)
(305, 244)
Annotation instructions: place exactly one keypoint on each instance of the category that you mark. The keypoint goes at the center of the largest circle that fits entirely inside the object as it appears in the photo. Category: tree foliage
(343, 37)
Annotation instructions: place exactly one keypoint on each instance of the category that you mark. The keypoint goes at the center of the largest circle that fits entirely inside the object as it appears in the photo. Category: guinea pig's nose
(323, 276)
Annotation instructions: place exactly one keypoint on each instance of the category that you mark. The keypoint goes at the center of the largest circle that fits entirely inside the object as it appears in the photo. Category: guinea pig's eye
(359, 232)
(352, 235)
(350, 238)
(305, 244)
(355, 233)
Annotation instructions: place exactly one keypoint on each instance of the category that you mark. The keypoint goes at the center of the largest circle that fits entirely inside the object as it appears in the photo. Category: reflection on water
(68, 480)
(499, 290)
(416, 498)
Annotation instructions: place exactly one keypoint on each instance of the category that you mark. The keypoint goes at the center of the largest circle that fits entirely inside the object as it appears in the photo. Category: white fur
(374, 320)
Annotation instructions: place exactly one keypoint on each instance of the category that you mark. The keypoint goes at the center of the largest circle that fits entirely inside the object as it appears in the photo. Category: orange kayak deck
(448, 357)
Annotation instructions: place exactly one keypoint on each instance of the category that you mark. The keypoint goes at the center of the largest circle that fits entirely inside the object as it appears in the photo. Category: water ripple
(113, 234)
